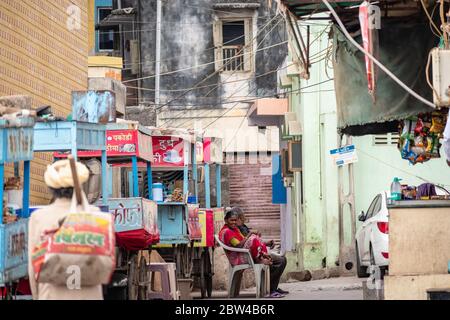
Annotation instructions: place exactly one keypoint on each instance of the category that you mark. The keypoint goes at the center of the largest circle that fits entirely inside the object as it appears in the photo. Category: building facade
(43, 54)
(316, 236)
(217, 59)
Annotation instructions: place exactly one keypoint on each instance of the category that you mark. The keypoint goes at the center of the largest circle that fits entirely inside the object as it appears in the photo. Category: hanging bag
(83, 245)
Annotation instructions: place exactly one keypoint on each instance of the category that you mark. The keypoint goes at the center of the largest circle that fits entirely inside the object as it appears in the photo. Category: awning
(117, 17)
(404, 48)
(306, 7)
(267, 112)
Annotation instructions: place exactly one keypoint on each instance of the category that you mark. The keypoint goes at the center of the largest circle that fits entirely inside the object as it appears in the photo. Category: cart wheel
(133, 277)
(143, 279)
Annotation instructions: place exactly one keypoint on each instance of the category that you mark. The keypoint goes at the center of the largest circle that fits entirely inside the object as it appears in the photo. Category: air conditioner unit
(295, 156)
(292, 127)
(441, 77)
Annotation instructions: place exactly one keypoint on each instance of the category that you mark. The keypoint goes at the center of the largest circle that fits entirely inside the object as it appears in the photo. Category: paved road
(343, 288)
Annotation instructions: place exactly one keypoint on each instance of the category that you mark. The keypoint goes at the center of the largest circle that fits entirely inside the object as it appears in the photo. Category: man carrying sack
(70, 244)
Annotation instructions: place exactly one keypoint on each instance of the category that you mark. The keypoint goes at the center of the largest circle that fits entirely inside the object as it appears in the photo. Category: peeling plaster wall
(186, 41)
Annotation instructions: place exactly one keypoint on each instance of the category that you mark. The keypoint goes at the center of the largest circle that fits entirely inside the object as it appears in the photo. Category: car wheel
(360, 270)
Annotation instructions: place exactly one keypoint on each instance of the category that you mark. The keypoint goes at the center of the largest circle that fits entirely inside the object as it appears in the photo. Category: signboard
(168, 151)
(199, 151)
(344, 155)
(212, 150)
(121, 143)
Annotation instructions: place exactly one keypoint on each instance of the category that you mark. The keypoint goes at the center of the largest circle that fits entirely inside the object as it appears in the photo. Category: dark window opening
(233, 33)
(106, 35)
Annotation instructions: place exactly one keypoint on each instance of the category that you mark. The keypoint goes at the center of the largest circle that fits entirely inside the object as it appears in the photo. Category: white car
(372, 237)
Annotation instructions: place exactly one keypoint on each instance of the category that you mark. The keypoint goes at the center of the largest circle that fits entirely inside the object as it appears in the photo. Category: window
(374, 208)
(233, 44)
(105, 34)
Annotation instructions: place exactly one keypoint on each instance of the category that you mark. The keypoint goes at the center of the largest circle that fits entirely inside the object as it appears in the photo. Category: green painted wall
(378, 165)
(318, 217)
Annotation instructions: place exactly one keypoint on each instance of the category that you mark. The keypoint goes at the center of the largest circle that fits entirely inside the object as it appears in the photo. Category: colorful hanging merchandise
(419, 137)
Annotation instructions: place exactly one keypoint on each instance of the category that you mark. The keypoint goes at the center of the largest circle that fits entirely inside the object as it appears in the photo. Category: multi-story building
(43, 54)
(217, 59)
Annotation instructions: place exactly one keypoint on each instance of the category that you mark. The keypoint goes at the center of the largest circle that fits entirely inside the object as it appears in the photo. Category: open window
(106, 35)
(233, 44)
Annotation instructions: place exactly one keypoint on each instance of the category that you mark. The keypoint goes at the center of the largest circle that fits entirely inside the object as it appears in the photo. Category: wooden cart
(16, 144)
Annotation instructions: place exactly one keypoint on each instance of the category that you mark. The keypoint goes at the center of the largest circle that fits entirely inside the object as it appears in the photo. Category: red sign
(168, 151)
(120, 143)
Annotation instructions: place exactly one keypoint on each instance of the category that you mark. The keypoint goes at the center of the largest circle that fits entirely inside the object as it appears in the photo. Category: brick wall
(42, 58)
(250, 187)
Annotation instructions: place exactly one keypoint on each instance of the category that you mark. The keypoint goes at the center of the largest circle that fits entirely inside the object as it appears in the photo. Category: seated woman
(232, 237)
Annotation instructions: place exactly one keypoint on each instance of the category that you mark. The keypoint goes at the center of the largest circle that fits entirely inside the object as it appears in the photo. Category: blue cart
(135, 216)
(182, 235)
(16, 145)
(129, 144)
(73, 136)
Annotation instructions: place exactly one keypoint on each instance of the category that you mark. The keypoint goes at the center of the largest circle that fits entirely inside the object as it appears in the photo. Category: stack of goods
(12, 183)
(419, 137)
(176, 196)
(409, 192)
(9, 214)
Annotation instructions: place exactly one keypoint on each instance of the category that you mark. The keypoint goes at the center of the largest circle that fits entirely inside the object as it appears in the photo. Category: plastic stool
(168, 281)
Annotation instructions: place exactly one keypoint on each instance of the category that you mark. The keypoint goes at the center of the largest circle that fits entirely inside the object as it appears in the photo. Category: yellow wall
(42, 58)
(91, 26)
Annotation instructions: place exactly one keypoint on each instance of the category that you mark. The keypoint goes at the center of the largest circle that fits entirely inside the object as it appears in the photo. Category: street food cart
(16, 145)
(60, 136)
(211, 219)
(175, 169)
(129, 144)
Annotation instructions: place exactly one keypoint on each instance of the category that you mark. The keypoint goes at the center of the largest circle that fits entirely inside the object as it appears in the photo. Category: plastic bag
(84, 243)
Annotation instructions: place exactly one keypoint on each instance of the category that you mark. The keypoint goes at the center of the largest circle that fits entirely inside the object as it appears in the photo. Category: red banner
(168, 151)
(120, 143)
(366, 33)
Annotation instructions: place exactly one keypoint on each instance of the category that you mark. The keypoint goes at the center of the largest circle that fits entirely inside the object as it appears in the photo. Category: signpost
(344, 155)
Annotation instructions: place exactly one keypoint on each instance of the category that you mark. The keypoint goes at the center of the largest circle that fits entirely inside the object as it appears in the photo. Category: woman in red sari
(231, 236)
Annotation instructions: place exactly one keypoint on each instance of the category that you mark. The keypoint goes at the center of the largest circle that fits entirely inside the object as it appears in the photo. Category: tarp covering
(403, 49)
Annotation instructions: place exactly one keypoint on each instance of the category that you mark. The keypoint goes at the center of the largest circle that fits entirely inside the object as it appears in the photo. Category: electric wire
(371, 57)
(193, 67)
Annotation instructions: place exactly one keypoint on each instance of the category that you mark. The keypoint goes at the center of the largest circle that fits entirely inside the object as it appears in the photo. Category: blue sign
(344, 155)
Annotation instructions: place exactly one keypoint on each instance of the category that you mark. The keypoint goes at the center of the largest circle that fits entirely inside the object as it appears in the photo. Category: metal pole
(2, 176)
(207, 186)
(158, 51)
(26, 189)
(104, 178)
(194, 170)
(218, 186)
(135, 177)
(149, 180)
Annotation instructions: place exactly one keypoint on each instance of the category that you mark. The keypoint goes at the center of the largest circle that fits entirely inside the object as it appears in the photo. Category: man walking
(58, 178)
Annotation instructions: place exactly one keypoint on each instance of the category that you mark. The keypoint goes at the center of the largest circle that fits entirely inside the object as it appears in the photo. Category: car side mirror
(362, 217)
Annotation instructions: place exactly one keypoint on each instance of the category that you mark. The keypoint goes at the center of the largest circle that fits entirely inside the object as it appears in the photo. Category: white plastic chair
(262, 273)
